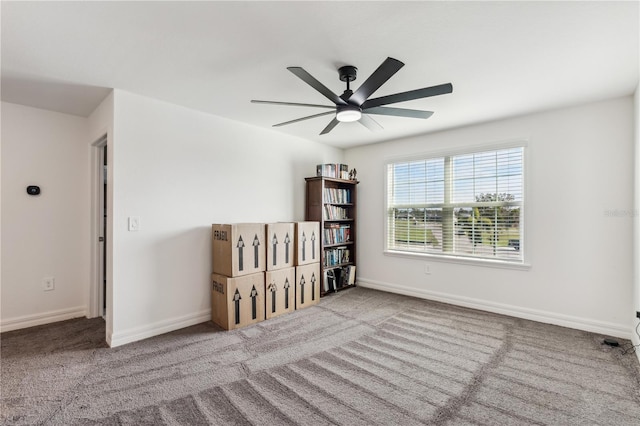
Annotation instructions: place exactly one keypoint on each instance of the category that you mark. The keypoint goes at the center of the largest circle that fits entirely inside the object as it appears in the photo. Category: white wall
(180, 171)
(580, 169)
(177, 169)
(100, 123)
(45, 235)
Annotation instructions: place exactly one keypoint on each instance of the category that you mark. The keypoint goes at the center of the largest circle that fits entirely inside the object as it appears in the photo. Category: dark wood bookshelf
(324, 193)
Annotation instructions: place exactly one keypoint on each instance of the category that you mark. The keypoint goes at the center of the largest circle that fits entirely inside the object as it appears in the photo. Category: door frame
(98, 248)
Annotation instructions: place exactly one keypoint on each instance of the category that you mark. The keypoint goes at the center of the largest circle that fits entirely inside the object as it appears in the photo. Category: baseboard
(585, 324)
(26, 321)
(155, 329)
(635, 339)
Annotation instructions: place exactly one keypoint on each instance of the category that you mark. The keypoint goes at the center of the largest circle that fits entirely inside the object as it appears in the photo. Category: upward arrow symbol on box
(274, 241)
(287, 240)
(302, 283)
(304, 245)
(273, 288)
(240, 257)
(254, 310)
(236, 299)
(256, 243)
(286, 293)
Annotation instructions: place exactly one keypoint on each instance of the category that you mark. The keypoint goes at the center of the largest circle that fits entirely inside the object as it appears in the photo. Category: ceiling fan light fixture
(349, 113)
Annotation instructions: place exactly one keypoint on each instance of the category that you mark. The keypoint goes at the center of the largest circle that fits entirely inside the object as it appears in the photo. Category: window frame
(523, 263)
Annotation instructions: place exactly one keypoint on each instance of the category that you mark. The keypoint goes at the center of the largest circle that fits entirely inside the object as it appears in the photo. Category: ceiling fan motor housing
(348, 73)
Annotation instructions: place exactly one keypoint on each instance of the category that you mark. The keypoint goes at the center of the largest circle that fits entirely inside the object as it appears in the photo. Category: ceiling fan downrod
(348, 73)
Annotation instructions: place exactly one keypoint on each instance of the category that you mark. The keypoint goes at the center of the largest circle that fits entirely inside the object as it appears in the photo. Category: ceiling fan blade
(330, 126)
(303, 118)
(384, 72)
(441, 89)
(311, 81)
(370, 123)
(399, 112)
(254, 101)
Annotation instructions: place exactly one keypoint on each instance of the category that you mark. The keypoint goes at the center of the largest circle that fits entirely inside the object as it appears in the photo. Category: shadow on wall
(182, 266)
(300, 171)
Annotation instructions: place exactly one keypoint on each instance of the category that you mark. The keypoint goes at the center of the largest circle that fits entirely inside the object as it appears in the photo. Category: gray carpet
(360, 357)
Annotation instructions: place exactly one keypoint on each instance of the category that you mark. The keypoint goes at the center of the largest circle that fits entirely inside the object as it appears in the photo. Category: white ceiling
(503, 58)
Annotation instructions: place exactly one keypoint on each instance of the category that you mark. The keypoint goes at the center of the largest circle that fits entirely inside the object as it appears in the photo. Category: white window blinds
(467, 205)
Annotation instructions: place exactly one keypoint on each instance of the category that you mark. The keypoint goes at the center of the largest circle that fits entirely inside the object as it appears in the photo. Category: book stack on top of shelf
(338, 171)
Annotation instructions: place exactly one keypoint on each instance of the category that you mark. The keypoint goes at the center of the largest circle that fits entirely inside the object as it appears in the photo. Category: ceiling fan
(356, 106)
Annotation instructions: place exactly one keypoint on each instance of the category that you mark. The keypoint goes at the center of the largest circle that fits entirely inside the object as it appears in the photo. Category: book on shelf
(332, 212)
(338, 171)
(336, 233)
(351, 274)
(336, 256)
(335, 279)
(337, 196)
(329, 281)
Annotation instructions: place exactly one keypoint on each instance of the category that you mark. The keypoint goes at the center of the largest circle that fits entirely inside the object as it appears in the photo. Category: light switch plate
(134, 223)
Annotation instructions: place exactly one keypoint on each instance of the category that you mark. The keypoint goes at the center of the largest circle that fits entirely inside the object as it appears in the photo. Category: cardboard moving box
(280, 292)
(308, 282)
(238, 249)
(280, 245)
(307, 243)
(237, 302)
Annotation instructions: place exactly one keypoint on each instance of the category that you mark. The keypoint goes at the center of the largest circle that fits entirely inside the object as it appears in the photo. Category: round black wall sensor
(33, 190)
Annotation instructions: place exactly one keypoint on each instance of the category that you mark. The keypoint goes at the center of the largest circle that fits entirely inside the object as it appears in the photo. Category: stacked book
(335, 279)
(336, 256)
(334, 212)
(337, 196)
(337, 234)
(338, 171)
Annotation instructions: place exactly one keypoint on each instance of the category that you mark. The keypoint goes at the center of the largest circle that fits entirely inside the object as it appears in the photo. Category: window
(466, 205)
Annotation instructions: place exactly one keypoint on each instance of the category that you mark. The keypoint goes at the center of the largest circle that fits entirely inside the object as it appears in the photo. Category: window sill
(459, 260)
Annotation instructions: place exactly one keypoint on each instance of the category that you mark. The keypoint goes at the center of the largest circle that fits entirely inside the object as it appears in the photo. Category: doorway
(98, 292)
(103, 235)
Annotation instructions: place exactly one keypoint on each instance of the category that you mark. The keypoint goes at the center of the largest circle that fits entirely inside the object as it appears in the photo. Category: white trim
(95, 283)
(491, 263)
(569, 321)
(108, 336)
(42, 318)
(155, 329)
(635, 339)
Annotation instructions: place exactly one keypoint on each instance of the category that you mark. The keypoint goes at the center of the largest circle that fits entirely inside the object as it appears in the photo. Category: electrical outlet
(427, 269)
(48, 283)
